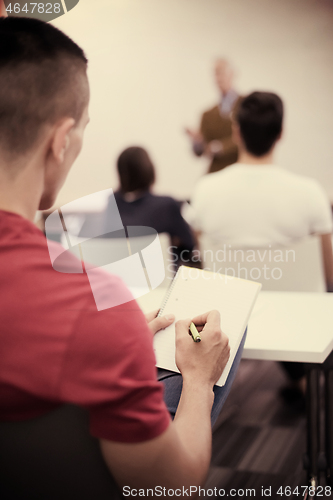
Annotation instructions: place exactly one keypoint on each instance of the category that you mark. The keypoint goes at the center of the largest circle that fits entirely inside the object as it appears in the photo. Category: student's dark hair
(42, 79)
(260, 116)
(136, 170)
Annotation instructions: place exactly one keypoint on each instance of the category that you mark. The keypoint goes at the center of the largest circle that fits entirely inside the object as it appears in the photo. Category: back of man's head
(42, 79)
(260, 117)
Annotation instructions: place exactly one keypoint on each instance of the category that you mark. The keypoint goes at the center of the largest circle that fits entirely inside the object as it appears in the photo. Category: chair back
(298, 267)
(53, 457)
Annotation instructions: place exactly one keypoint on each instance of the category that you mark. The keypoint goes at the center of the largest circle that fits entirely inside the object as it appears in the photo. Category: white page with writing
(194, 292)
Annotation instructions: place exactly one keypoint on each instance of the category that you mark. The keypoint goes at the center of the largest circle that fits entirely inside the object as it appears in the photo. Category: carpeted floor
(259, 441)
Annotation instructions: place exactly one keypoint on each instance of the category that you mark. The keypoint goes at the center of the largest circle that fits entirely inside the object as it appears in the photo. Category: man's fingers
(213, 317)
(160, 323)
(183, 327)
(151, 315)
(210, 322)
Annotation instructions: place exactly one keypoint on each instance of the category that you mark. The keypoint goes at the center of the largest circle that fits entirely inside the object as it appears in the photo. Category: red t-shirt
(56, 347)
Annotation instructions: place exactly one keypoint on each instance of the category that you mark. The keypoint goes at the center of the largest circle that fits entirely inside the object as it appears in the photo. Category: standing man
(214, 139)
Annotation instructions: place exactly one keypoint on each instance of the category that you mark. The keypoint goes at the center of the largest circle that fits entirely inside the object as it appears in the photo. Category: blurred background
(151, 75)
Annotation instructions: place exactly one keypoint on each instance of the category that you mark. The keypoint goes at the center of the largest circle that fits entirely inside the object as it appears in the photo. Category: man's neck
(249, 159)
(20, 193)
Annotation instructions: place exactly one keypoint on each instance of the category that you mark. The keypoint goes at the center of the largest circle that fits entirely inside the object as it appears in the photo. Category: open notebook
(193, 292)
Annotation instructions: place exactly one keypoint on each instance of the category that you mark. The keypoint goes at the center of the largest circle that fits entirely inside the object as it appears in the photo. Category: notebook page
(194, 292)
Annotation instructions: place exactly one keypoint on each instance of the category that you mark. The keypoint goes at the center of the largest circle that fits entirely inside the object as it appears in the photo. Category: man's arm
(220, 147)
(326, 246)
(180, 457)
(196, 140)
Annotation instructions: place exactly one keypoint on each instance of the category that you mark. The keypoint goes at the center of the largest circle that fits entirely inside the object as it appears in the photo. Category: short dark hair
(136, 170)
(42, 79)
(260, 116)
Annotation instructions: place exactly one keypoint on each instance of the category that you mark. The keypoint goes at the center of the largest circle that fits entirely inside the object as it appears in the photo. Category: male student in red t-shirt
(55, 346)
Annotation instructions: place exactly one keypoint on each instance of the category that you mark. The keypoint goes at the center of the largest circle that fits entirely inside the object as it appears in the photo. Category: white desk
(291, 326)
(284, 326)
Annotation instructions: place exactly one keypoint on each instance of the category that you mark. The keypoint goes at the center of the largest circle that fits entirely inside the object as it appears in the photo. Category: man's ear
(61, 139)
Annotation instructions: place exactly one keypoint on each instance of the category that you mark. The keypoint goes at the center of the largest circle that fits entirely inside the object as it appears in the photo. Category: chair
(298, 267)
(53, 457)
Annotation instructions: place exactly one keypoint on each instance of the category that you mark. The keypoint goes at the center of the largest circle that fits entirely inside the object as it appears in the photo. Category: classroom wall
(150, 69)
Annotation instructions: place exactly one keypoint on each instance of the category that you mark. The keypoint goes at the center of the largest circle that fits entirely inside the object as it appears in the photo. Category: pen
(194, 332)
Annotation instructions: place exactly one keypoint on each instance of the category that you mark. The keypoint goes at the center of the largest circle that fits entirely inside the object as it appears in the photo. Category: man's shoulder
(298, 180)
(48, 277)
(13, 227)
(211, 112)
(163, 201)
(216, 179)
(208, 187)
(161, 198)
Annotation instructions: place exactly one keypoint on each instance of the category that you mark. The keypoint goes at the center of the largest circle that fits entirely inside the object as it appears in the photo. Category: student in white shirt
(254, 203)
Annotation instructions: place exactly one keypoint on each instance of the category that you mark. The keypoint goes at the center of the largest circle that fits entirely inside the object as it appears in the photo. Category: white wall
(150, 69)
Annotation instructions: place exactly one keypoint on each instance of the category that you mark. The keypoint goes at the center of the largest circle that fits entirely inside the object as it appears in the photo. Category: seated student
(55, 346)
(254, 203)
(138, 206)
